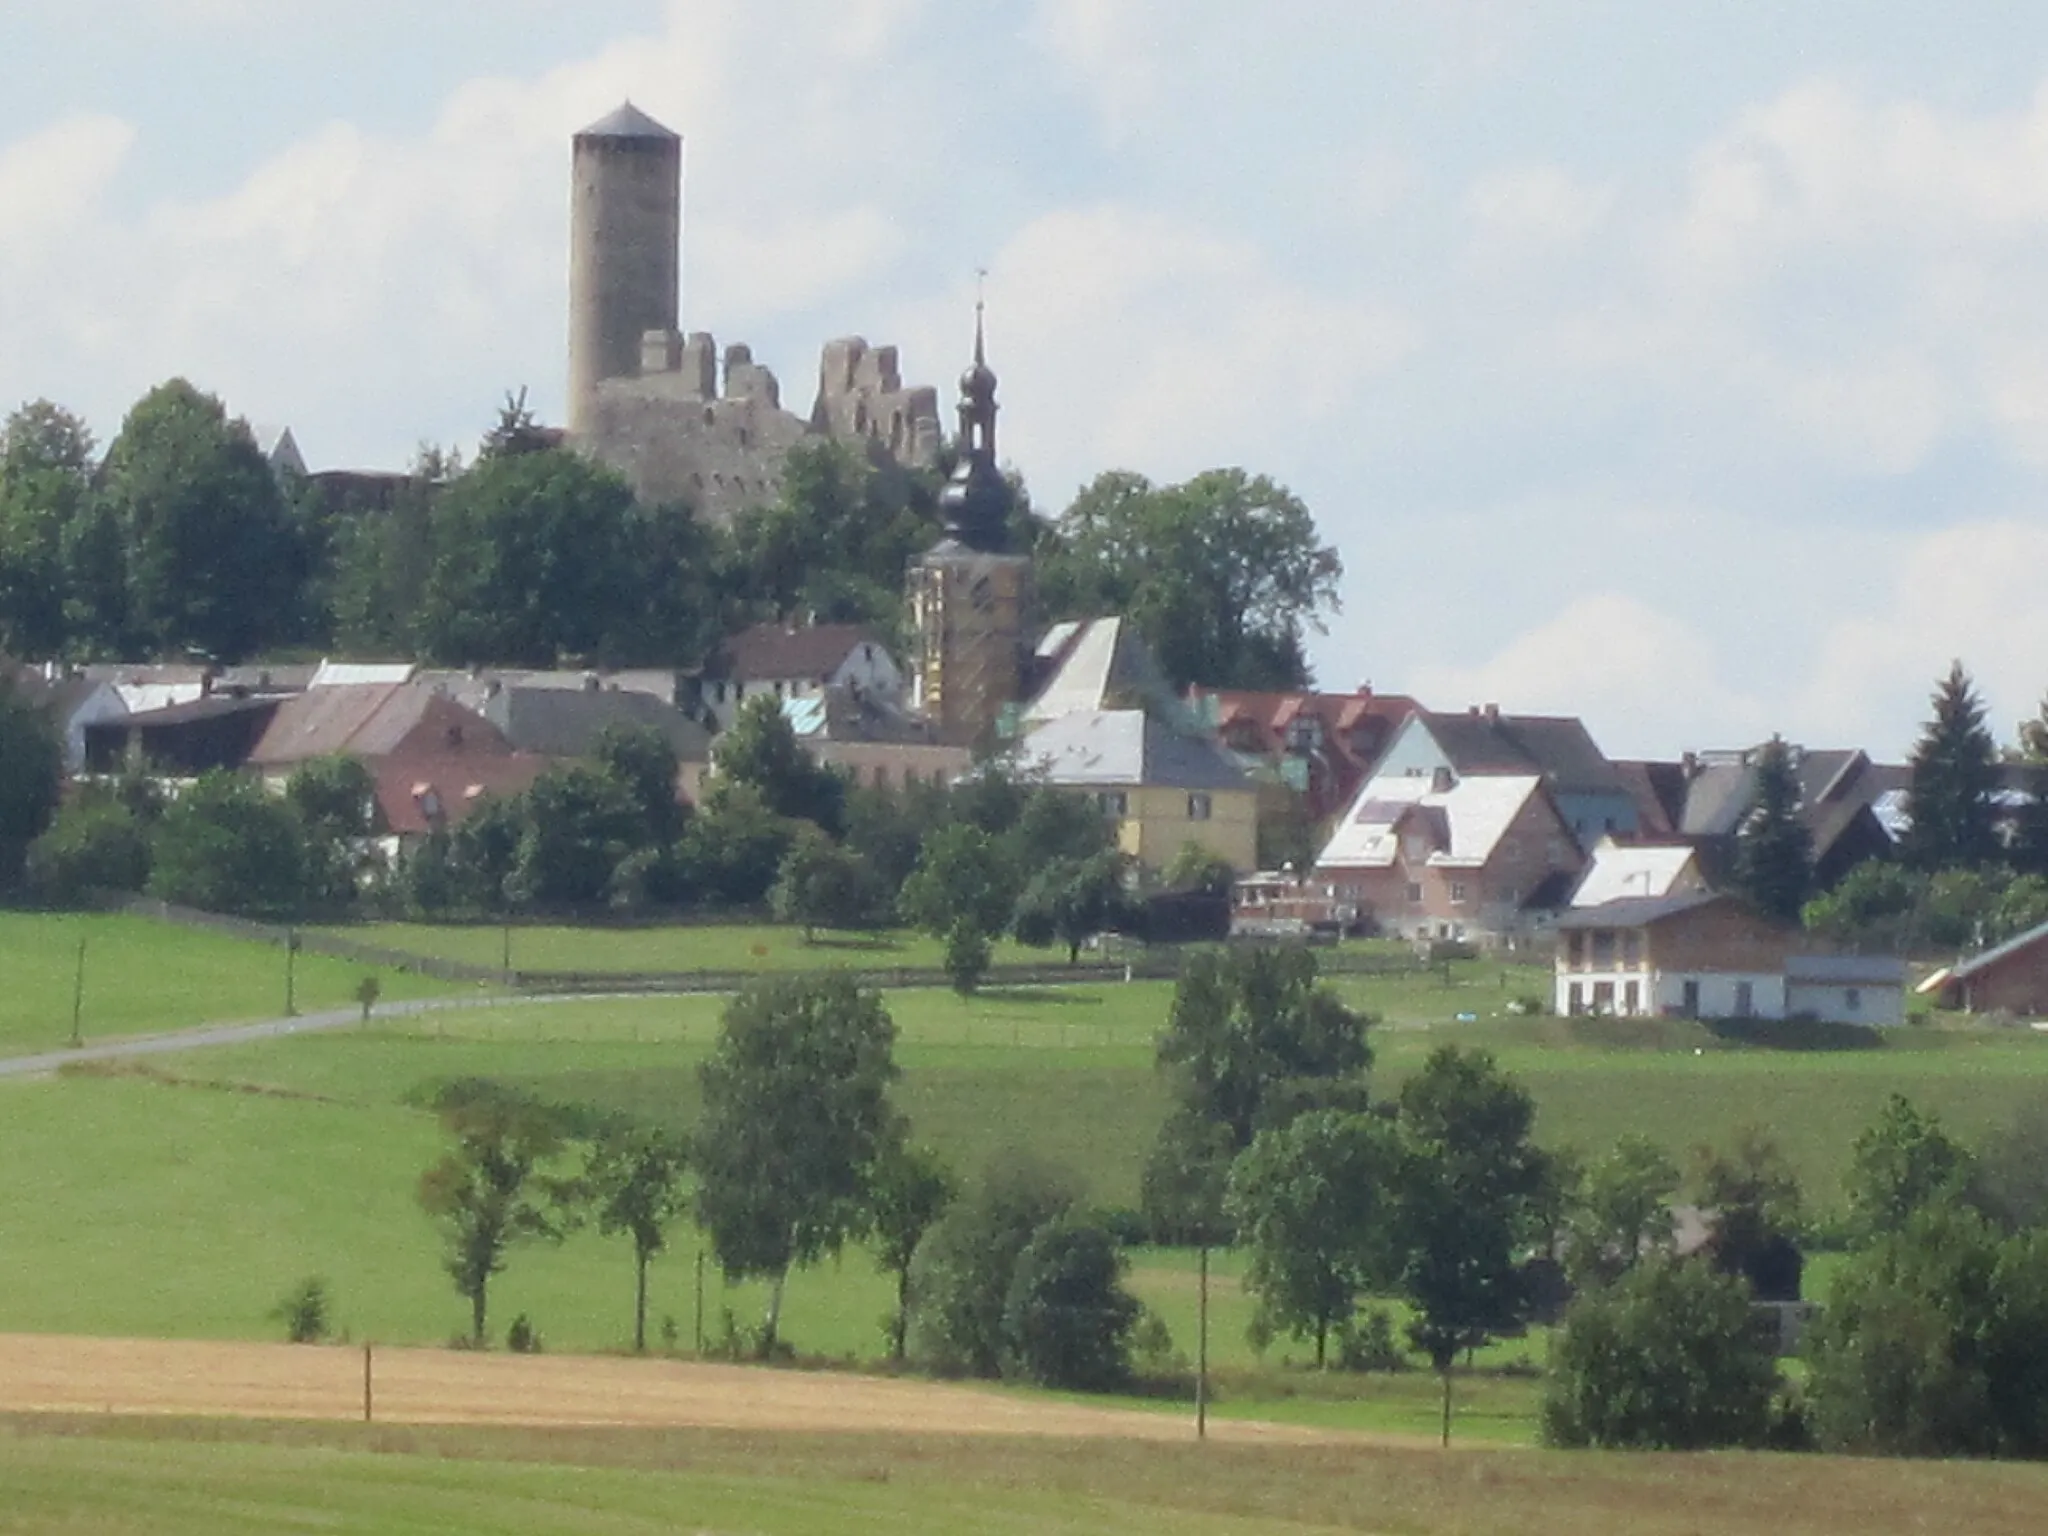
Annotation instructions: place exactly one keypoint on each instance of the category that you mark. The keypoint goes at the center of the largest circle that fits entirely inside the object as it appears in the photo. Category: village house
(1161, 790)
(874, 741)
(2010, 978)
(1488, 858)
(1320, 746)
(1589, 792)
(795, 662)
(1840, 791)
(1699, 954)
(1105, 723)
(1617, 869)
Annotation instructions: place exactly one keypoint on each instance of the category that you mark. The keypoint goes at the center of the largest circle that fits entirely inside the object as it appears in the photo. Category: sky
(1682, 366)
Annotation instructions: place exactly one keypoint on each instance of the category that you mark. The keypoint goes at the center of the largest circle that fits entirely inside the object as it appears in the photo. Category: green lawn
(169, 1477)
(144, 977)
(677, 947)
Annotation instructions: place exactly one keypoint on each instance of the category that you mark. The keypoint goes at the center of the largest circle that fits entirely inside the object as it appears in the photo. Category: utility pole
(291, 956)
(1202, 1349)
(700, 1302)
(78, 998)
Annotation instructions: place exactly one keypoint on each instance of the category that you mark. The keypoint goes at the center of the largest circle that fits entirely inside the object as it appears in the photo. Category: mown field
(182, 1196)
(186, 1478)
(672, 947)
(144, 977)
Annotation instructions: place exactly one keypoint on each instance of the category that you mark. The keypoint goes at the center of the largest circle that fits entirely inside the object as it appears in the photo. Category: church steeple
(976, 500)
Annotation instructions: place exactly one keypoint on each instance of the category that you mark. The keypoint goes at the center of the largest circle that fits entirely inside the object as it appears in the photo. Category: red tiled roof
(408, 788)
(374, 720)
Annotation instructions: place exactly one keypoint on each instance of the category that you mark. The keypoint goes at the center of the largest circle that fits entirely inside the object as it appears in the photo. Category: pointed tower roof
(628, 122)
(976, 500)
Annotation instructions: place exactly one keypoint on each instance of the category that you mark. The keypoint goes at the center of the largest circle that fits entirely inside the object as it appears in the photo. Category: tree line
(991, 855)
(182, 541)
(1971, 868)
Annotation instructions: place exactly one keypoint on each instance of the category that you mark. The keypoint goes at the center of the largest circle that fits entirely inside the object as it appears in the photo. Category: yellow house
(1163, 789)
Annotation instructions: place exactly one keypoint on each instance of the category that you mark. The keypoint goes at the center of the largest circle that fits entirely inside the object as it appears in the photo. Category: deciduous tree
(1621, 1211)
(31, 774)
(960, 1279)
(1071, 901)
(1472, 1182)
(494, 1188)
(796, 1117)
(227, 845)
(46, 468)
(1665, 1359)
(1223, 575)
(1902, 1163)
(1067, 1319)
(634, 1178)
(1313, 1203)
(215, 564)
(912, 1189)
(1252, 1029)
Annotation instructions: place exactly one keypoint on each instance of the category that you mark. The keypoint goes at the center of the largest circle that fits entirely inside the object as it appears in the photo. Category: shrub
(1067, 1320)
(961, 1277)
(1367, 1343)
(1664, 1359)
(305, 1311)
(95, 844)
(967, 956)
(522, 1338)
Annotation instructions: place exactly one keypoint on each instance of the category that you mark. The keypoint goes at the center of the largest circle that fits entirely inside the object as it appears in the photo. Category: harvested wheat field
(55, 1374)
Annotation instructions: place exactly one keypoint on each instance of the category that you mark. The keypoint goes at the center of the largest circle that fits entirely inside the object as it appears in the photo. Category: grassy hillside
(144, 977)
(169, 1478)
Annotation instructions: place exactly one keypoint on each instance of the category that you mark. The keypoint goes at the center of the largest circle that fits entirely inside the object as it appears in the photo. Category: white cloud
(1640, 678)
(1970, 593)
(50, 181)
(1534, 208)
(1154, 342)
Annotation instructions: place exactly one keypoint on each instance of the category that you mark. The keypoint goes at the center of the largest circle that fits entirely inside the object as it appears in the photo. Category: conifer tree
(1955, 769)
(2028, 850)
(1773, 848)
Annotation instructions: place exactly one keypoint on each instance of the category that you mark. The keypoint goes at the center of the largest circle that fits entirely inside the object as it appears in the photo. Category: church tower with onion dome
(970, 595)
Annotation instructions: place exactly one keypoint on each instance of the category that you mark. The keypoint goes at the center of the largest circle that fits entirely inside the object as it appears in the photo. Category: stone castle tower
(971, 598)
(681, 420)
(625, 243)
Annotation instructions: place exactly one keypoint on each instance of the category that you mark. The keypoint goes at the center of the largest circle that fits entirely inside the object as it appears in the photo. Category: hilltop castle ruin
(680, 421)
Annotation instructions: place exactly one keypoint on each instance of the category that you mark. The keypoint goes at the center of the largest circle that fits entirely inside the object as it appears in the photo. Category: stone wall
(711, 431)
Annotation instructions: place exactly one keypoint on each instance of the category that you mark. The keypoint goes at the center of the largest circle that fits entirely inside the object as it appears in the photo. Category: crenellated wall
(711, 431)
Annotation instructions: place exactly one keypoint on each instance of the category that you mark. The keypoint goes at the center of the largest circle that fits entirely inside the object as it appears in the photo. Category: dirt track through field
(45, 1374)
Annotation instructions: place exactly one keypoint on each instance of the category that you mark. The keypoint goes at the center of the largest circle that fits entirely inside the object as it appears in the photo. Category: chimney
(1440, 781)
(1493, 713)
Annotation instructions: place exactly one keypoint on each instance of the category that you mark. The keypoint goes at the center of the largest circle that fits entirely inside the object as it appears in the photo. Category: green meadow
(668, 947)
(183, 1195)
(171, 1477)
(143, 978)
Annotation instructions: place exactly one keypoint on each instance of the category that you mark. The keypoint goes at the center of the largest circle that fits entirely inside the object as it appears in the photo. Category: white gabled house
(1700, 954)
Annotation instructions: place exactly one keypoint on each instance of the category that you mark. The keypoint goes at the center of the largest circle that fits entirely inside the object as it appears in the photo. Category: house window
(1632, 998)
(1114, 802)
(1745, 999)
(1603, 998)
(718, 692)
(1689, 999)
(1198, 807)
(1457, 893)
(1414, 892)
(1852, 999)
(1575, 999)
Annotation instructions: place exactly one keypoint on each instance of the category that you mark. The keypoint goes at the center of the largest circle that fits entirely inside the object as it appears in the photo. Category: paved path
(132, 1046)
